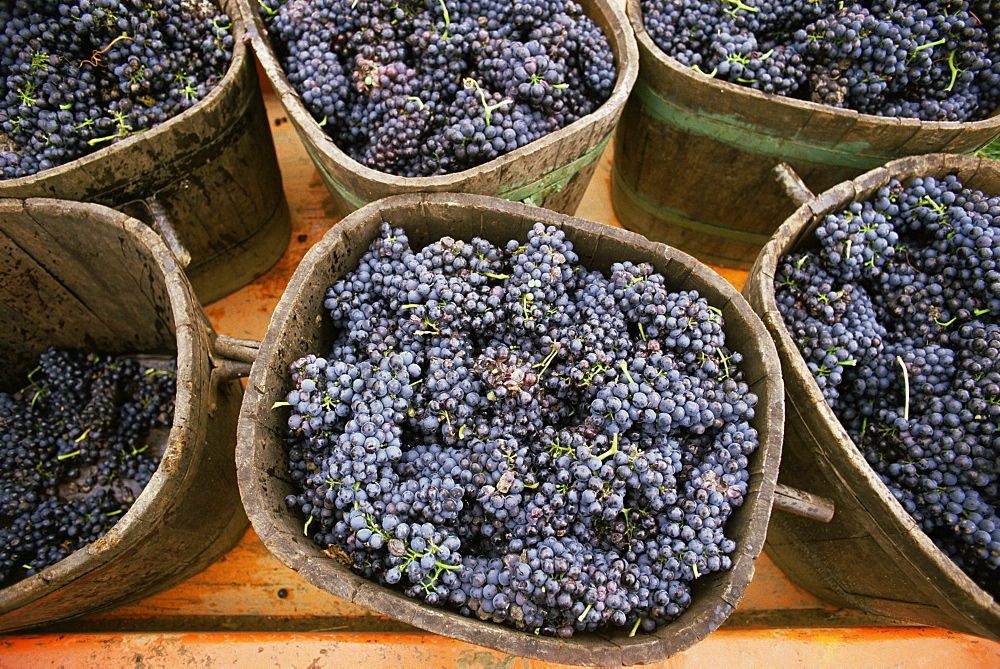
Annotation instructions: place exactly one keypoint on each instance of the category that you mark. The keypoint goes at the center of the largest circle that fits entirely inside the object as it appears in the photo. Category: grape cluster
(430, 87)
(76, 449)
(500, 430)
(935, 60)
(896, 311)
(80, 75)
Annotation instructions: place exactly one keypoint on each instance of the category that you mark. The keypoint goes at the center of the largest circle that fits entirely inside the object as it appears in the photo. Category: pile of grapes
(502, 431)
(77, 446)
(83, 74)
(935, 60)
(896, 311)
(428, 87)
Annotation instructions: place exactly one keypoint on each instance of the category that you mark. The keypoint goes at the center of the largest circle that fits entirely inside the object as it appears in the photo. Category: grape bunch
(501, 431)
(895, 308)
(430, 87)
(81, 75)
(76, 448)
(935, 60)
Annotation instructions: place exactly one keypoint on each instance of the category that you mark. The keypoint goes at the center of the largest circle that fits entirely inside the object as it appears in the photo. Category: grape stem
(447, 18)
(469, 82)
(906, 389)
(954, 70)
(625, 371)
(95, 59)
(738, 6)
(928, 45)
(612, 450)
(544, 364)
(701, 71)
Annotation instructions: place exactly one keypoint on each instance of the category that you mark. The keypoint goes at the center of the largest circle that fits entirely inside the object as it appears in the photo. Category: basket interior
(76, 277)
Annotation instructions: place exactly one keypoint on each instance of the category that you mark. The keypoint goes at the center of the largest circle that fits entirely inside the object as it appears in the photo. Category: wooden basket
(552, 171)
(873, 556)
(300, 325)
(87, 277)
(693, 154)
(207, 180)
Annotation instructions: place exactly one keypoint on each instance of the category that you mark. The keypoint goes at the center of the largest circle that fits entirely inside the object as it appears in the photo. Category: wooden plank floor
(249, 610)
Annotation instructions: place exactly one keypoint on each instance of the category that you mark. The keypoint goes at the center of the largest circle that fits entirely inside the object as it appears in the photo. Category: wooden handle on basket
(159, 220)
(794, 186)
(803, 503)
(233, 357)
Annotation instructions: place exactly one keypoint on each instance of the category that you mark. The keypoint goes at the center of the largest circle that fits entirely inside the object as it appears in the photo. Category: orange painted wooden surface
(249, 610)
(826, 647)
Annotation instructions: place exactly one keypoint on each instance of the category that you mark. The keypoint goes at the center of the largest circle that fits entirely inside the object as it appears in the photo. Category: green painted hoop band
(555, 179)
(680, 219)
(532, 192)
(755, 139)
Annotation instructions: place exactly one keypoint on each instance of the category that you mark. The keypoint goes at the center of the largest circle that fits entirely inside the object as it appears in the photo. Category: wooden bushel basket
(300, 325)
(87, 277)
(873, 556)
(207, 180)
(552, 171)
(693, 154)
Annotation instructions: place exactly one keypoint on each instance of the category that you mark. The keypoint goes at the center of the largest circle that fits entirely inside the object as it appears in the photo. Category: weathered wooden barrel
(873, 556)
(552, 171)
(207, 179)
(300, 325)
(87, 277)
(693, 155)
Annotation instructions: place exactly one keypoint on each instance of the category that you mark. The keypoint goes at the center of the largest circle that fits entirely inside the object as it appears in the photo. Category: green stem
(739, 5)
(469, 82)
(954, 70)
(611, 451)
(701, 71)
(625, 371)
(544, 364)
(725, 361)
(444, 9)
(929, 45)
